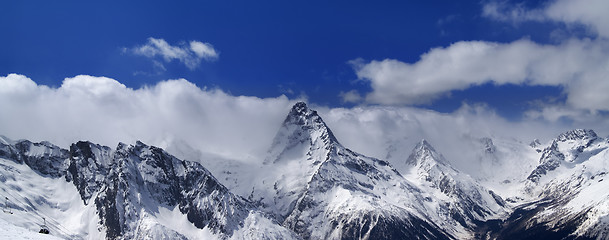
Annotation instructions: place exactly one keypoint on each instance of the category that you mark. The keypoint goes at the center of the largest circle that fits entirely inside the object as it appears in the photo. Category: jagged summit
(43, 157)
(566, 187)
(577, 134)
(551, 159)
(424, 152)
(313, 188)
(466, 199)
(567, 147)
(300, 108)
(299, 113)
(301, 145)
(308, 119)
(302, 126)
(322, 190)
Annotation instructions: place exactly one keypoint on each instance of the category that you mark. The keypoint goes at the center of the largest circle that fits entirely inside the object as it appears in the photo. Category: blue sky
(269, 48)
(220, 76)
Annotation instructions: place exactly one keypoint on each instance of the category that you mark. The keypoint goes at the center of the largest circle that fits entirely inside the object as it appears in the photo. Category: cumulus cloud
(209, 125)
(171, 112)
(589, 13)
(190, 55)
(579, 66)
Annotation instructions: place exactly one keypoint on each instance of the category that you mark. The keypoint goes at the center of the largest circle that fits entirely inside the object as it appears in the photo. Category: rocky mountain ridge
(309, 187)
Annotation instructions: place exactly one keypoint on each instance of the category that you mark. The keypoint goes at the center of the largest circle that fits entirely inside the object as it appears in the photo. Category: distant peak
(423, 144)
(122, 145)
(139, 143)
(535, 143)
(577, 134)
(83, 144)
(423, 152)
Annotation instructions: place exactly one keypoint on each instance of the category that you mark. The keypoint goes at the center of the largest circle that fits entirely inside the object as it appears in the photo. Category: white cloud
(190, 55)
(204, 50)
(105, 111)
(390, 133)
(579, 66)
(352, 96)
(592, 13)
(16, 84)
(192, 121)
(589, 13)
(502, 11)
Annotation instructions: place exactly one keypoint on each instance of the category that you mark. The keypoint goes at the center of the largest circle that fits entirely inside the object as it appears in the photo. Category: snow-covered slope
(500, 164)
(30, 195)
(11, 231)
(133, 192)
(144, 183)
(464, 202)
(568, 191)
(322, 190)
(309, 187)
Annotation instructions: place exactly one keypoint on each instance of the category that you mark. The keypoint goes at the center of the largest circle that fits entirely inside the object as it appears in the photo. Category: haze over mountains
(291, 120)
(309, 186)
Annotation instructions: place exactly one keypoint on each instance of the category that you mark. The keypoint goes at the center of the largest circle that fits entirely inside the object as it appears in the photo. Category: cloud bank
(199, 122)
(579, 66)
(189, 54)
(104, 111)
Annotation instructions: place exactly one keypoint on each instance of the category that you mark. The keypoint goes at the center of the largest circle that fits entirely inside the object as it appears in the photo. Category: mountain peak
(565, 148)
(301, 125)
(301, 115)
(299, 108)
(424, 144)
(306, 119)
(424, 154)
(577, 134)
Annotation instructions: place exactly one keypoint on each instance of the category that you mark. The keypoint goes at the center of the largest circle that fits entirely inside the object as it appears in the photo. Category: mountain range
(309, 186)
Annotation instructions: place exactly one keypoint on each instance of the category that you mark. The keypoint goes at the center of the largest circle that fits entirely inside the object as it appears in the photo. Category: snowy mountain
(308, 187)
(567, 191)
(43, 157)
(465, 203)
(133, 192)
(30, 194)
(321, 190)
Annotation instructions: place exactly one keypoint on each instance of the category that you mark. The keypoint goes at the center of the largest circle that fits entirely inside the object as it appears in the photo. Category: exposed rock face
(567, 185)
(565, 148)
(42, 157)
(135, 179)
(88, 168)
(312, 187)
(466, 202)
(127, 186)
(322, 190)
